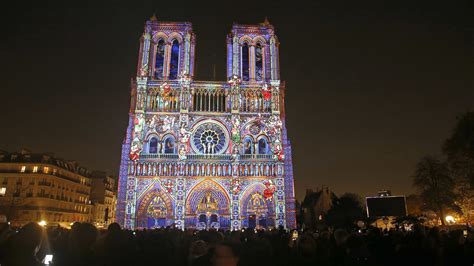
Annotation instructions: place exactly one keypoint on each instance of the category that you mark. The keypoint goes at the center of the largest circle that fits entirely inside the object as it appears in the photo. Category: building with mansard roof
(40, 187)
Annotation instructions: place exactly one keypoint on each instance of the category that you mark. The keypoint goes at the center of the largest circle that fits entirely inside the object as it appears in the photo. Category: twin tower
(206, 154)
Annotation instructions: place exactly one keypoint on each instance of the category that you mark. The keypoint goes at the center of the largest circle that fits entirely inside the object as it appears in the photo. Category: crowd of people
(84, 244)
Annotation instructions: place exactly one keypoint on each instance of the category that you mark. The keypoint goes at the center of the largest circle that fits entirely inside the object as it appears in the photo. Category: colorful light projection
(202, 154)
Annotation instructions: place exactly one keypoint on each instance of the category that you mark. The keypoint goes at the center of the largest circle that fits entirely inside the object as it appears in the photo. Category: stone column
(279, 198)
(273, 58)
(187, 51)
(235, 222)
(180, 204)
(236, 57)
(145, 55)
(130, 209)
(275, 96)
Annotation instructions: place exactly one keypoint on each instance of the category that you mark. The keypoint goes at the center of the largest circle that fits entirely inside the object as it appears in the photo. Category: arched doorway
(155, 210)
(156, 213)
(208, 206)
(256, 211)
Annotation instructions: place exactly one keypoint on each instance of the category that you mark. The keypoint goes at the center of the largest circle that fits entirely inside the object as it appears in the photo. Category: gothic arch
(169, 139)
(257, 187)
(176, 48)
(245, 39)
(150, 135)
(259, 39)
(248, 144)
(199, 191)
(152, 139)
(266, 139)
(175, 36)
(246, 126)
(159, 35)
(146, 198)
(158, 57)
(210, 120)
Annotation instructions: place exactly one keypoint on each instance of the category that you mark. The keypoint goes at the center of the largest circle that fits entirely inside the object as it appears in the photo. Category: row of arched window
(165, 146)
(168, 145)
(258, 60)
(160, 60)
(259, 147)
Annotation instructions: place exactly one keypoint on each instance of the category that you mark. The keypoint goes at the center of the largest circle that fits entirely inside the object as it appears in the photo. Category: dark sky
(371, 85)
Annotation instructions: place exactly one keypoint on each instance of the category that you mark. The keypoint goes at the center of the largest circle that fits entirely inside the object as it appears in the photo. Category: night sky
(372, 86)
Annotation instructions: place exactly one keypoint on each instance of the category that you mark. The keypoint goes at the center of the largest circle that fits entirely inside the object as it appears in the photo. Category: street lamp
(450, 219)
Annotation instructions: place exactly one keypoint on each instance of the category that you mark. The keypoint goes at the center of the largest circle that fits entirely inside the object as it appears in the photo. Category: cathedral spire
(266, 22)
(153, 18)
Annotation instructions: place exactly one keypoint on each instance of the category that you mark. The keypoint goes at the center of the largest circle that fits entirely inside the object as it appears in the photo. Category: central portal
(207, 206)
(208, 213)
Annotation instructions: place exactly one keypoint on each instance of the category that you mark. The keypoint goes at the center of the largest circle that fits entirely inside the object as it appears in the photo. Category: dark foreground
(85, 245)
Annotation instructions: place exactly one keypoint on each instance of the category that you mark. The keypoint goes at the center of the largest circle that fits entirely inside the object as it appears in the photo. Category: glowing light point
(450, 219)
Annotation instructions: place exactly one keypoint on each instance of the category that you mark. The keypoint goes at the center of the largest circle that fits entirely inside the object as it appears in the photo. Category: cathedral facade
(206, 154)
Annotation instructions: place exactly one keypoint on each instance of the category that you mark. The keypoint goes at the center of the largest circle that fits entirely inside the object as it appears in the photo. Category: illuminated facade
(39, 187)
(202, 154)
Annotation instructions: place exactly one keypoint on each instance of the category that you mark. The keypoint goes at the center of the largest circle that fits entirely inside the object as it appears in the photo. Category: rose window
(209, 138)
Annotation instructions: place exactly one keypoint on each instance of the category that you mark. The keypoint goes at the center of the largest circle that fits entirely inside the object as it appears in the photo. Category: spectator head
(307, 245)
(114, 227)
(198, 248)
(29, 238)
(88, 236)
(224, 254)
(340, 236)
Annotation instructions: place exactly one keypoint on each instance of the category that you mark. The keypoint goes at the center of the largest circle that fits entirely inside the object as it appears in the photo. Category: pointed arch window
(245, 62)
(263, 146)
(259, 62)
(169, 145)
(248, 146)
(174, 60)
(153, 148)
(160, 59)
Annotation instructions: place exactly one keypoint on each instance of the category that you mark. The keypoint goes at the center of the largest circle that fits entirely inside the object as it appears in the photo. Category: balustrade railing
(256, 156)
(159, 156)
(209, 100)
(209, 156)
(216, 157)
(215, 98)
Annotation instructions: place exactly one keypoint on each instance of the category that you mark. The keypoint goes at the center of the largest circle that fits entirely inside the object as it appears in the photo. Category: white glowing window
(3, 190)
(35, 169)
(46, 170)
(23, 169)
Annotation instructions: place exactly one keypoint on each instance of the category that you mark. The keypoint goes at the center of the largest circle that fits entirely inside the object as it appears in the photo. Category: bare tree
(436, 186)
(459, 149)
(11, 204)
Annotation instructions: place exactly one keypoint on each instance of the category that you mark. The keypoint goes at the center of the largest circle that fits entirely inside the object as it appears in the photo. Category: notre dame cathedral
(206, 154)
